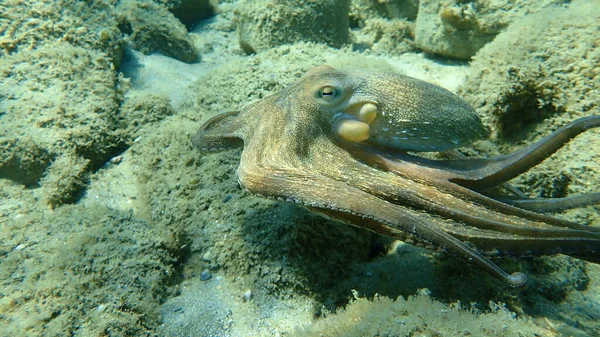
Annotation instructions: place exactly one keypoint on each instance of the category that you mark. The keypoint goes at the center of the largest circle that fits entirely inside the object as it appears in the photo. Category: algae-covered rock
(420, 315)
(65, 179)
(458, 29)
(57, 97)
(543, 64)
(60, 93)
(82, 271)
(267, 23)
(145, 109)
(152, 28)
(390, 9)
(189, 12)
(383, 27)
(22, 159)
(26, 25)
(58, 86)
(388, 36)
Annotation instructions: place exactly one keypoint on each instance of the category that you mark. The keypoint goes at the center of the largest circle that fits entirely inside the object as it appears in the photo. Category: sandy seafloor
(112, 224)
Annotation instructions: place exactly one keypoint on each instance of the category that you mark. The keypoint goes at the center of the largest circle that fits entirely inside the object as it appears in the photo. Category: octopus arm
(480, 174)
(343, 202)
(219, 133)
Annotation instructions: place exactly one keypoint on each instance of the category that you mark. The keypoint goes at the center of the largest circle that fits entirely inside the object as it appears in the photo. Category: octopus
(347, 145)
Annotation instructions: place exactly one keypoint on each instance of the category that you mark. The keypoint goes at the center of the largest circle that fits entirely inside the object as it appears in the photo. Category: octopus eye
(328, 93)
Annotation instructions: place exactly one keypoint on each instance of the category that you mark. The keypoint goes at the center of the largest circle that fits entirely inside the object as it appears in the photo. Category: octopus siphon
(344, 144)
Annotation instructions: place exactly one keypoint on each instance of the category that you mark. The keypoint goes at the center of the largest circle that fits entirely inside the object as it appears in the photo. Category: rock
(141, 110)
(57, 97)
(390, 9)
(152, 28)
(265, 24)
(205, 275)
(459, 30)
(387, 36)
(190, 12)
(383, 27)
(22, 159)
(542, 65)
(65, 180)
(247, 296)
(91, 25)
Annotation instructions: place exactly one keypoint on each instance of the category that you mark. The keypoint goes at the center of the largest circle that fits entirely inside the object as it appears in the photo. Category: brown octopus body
(337, 141)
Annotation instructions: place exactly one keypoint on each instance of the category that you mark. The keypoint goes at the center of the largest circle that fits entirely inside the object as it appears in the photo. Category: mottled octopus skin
(291, 153)
(413, 115)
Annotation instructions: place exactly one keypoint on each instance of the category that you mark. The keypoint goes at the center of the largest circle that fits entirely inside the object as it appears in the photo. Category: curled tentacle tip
(517, 279)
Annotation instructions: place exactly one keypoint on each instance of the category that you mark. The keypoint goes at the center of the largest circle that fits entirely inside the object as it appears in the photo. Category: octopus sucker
(341, 143)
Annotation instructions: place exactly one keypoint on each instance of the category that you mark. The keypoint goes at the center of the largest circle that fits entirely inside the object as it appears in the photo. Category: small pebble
(247, 295)
(205, 275)
(116, 160)
(21, 246)
(207, 256)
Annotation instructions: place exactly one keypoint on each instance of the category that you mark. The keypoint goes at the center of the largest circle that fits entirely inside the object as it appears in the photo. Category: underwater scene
(227, 168)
